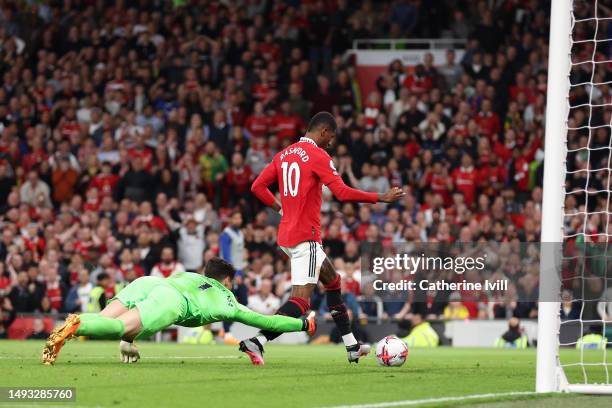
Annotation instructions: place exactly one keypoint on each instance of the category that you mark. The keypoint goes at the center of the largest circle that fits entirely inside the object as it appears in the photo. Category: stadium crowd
(130, 133)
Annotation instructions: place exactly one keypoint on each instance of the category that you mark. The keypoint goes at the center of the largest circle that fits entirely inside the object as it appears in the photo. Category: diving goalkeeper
(150, 304)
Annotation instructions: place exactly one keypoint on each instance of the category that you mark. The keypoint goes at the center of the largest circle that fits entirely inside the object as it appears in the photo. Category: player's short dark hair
(218, 269)
(322, 119)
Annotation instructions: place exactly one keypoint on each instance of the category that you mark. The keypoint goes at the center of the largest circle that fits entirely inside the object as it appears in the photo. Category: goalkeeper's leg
(125, 326)
(128, 352)
(149, 313)
(114, 309)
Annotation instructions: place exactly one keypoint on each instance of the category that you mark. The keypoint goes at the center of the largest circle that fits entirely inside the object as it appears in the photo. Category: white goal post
(551, 373)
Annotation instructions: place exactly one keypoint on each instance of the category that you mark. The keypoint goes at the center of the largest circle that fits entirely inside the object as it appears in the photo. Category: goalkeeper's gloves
(128, 352)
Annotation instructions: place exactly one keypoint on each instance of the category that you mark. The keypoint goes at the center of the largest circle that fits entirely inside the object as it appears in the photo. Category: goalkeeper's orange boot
(58, 337)
(312, 324)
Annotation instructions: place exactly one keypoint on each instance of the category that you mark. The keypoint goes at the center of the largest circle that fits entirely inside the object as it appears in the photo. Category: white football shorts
(306, 260)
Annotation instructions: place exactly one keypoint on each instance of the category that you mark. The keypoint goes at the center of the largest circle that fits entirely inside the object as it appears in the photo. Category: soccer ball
(391, 352)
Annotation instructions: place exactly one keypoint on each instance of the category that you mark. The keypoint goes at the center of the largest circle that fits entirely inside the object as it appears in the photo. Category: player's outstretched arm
(345, 193)
(323, 167)
(276, 323)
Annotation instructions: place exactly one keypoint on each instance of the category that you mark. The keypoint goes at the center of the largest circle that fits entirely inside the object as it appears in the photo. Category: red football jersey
(105, 183)
(300, 171)
(465, 180)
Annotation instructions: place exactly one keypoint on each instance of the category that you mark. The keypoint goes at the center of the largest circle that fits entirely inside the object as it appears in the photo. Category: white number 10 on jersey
(291, 178)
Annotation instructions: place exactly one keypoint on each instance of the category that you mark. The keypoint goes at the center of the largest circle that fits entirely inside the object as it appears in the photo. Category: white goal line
(437, 400)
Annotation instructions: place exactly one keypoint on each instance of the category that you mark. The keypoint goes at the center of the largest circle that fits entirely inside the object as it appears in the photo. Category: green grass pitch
(294, 376)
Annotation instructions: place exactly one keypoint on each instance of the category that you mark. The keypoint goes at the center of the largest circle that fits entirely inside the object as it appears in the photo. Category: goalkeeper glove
(128, 352)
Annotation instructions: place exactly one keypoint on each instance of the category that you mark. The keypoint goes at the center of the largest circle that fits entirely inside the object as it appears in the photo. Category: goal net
(575, 304)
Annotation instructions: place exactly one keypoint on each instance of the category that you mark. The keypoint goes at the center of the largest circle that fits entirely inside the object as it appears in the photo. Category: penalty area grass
(294, 376)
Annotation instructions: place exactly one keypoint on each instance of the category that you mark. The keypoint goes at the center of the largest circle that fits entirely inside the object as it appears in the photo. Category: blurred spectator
(56, 289)
(34, 191)
(23, 296)
(333, 243)
(238, 180)
(7, 316)
(231, 243)
(570, 308)
(127, 264)
(514, 337)
(7, 181)
(258, 155)
(421, 333)
(371, 180)
(450, 70)
(79, 296)
(592, 339)
(64, 181)
(101, 293)
(38, 330)
(167, 265)
(258, 124)
(214, 167)
(465, 179)
(264, 301)
(418, 82)
(286, 124)
(136, 184)
(351, 280)
(191, 245)
(105, 181)
(455, 309)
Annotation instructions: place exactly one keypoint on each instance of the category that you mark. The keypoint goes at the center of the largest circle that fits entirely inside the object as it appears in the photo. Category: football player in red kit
(300, 171)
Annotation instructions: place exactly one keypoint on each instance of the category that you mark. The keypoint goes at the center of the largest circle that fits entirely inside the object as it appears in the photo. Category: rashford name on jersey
(295, 150)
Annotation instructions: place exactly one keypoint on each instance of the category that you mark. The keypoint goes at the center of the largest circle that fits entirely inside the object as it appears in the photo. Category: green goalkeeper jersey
(208, 301)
